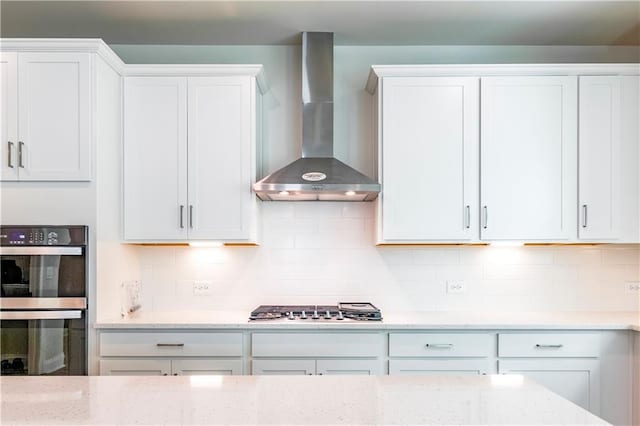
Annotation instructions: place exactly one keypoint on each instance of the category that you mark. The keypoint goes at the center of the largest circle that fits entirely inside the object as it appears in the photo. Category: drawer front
(173, 344)
(549, 345)
(446, 345)
(316, 344)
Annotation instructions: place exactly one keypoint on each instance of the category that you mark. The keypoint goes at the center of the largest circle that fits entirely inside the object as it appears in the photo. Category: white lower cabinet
(166, 367)
(577, 380)
(164, 353)
(566, 362)
(441, 353)
(317, 353)
(135, 367)
(310, 367)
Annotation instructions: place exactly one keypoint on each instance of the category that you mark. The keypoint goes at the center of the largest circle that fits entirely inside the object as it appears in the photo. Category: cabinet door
(439, 366)
(366, 367)
(135, 367)
(630, 159)
(299, 367)
(430, 158)
(155, 158)
(599, 158)
(528, 158)
(220, 134)
(55, 116)
(9, 115)
(577, 380)
(206, 367)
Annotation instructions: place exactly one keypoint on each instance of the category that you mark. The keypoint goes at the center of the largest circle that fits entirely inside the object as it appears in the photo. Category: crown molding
(484, 70)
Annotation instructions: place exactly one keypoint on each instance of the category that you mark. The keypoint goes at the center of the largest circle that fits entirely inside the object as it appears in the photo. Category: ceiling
(354, 22)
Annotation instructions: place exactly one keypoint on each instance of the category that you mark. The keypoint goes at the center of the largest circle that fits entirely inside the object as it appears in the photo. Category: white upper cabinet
(220, 146)
(189, 158)
(48, 99)
(630, 159)
(429, 162)
(528, 158)
(155, 158)
(9, 117)
(599, 164)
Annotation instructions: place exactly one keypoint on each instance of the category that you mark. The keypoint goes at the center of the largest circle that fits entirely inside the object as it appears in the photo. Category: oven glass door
(41, 343)
(37, 272)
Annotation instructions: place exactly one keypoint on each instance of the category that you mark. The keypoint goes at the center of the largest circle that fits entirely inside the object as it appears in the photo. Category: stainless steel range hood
(317, 175)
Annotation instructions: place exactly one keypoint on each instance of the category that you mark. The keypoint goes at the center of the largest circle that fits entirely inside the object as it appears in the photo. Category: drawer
(549, 345)
(316, 344)
(437, 345)
(174, 344)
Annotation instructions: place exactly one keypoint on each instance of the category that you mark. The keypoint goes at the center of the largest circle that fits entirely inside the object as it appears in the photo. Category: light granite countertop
(392, 320)
(243, 400)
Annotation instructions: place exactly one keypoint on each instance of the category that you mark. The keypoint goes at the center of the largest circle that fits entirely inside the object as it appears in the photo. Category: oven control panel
(43, 236)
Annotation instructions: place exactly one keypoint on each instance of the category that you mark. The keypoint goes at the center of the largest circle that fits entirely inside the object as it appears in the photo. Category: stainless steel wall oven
(43, 303)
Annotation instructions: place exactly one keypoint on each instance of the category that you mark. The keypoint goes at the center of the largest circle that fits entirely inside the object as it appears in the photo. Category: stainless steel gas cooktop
(342, 311)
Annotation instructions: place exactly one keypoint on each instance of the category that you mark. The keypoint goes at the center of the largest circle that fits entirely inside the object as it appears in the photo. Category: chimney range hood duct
(317, 175)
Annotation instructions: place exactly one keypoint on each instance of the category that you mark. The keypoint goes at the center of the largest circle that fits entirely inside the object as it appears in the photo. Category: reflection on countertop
(187, 400)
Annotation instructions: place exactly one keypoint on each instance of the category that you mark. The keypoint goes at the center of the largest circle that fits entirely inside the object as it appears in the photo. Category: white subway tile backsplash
(325, 253)
(621, 256)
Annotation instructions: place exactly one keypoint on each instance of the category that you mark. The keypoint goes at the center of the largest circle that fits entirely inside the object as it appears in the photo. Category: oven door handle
(41, 251)
(40, 315)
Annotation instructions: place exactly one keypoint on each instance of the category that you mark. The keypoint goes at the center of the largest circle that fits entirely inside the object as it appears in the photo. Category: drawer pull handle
(170, 345)
(439, 345)
(548, 346)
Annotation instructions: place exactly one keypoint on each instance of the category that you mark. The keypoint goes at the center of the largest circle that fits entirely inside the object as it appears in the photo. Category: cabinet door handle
(558, 346)
(20, 154)
(191, 216)
(10, 154)
(439, 345)
(485, 217)
(181, 216)
(584, 215)
(467, 218)
(169, 345)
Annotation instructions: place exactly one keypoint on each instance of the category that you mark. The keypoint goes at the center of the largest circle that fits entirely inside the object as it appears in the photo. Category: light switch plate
(202, 288)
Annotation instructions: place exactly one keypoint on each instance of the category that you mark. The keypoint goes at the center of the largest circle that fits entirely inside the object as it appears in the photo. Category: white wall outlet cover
(632, 287)
(455, 287)
(202, 288)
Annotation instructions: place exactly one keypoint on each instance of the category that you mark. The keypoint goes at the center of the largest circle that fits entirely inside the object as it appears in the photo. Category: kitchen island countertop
(216, 319)
(191, 400)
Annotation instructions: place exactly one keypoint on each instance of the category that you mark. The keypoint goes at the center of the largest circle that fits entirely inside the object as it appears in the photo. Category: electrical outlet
(455, 287)
(632, 287)
(202, 288)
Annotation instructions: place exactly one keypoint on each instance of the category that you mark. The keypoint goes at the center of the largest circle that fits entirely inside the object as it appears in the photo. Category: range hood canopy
(317, 175)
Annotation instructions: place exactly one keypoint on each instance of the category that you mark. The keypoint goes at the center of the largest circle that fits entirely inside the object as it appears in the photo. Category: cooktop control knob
(340, 316)
(291, 316)
(327, 315)
(315, 314)
(303, 315)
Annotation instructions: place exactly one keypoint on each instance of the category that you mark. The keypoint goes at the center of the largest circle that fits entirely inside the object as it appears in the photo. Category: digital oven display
(17, 236)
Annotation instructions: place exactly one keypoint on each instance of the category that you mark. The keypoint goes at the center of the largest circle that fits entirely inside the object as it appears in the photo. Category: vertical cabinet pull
(584, 215)
(10, 154)
(181, 216)
(20, 154)
(191, 216)
(467, 217)
(485, 217)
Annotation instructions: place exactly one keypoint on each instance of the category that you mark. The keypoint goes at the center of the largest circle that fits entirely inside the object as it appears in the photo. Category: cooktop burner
(343, 311)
